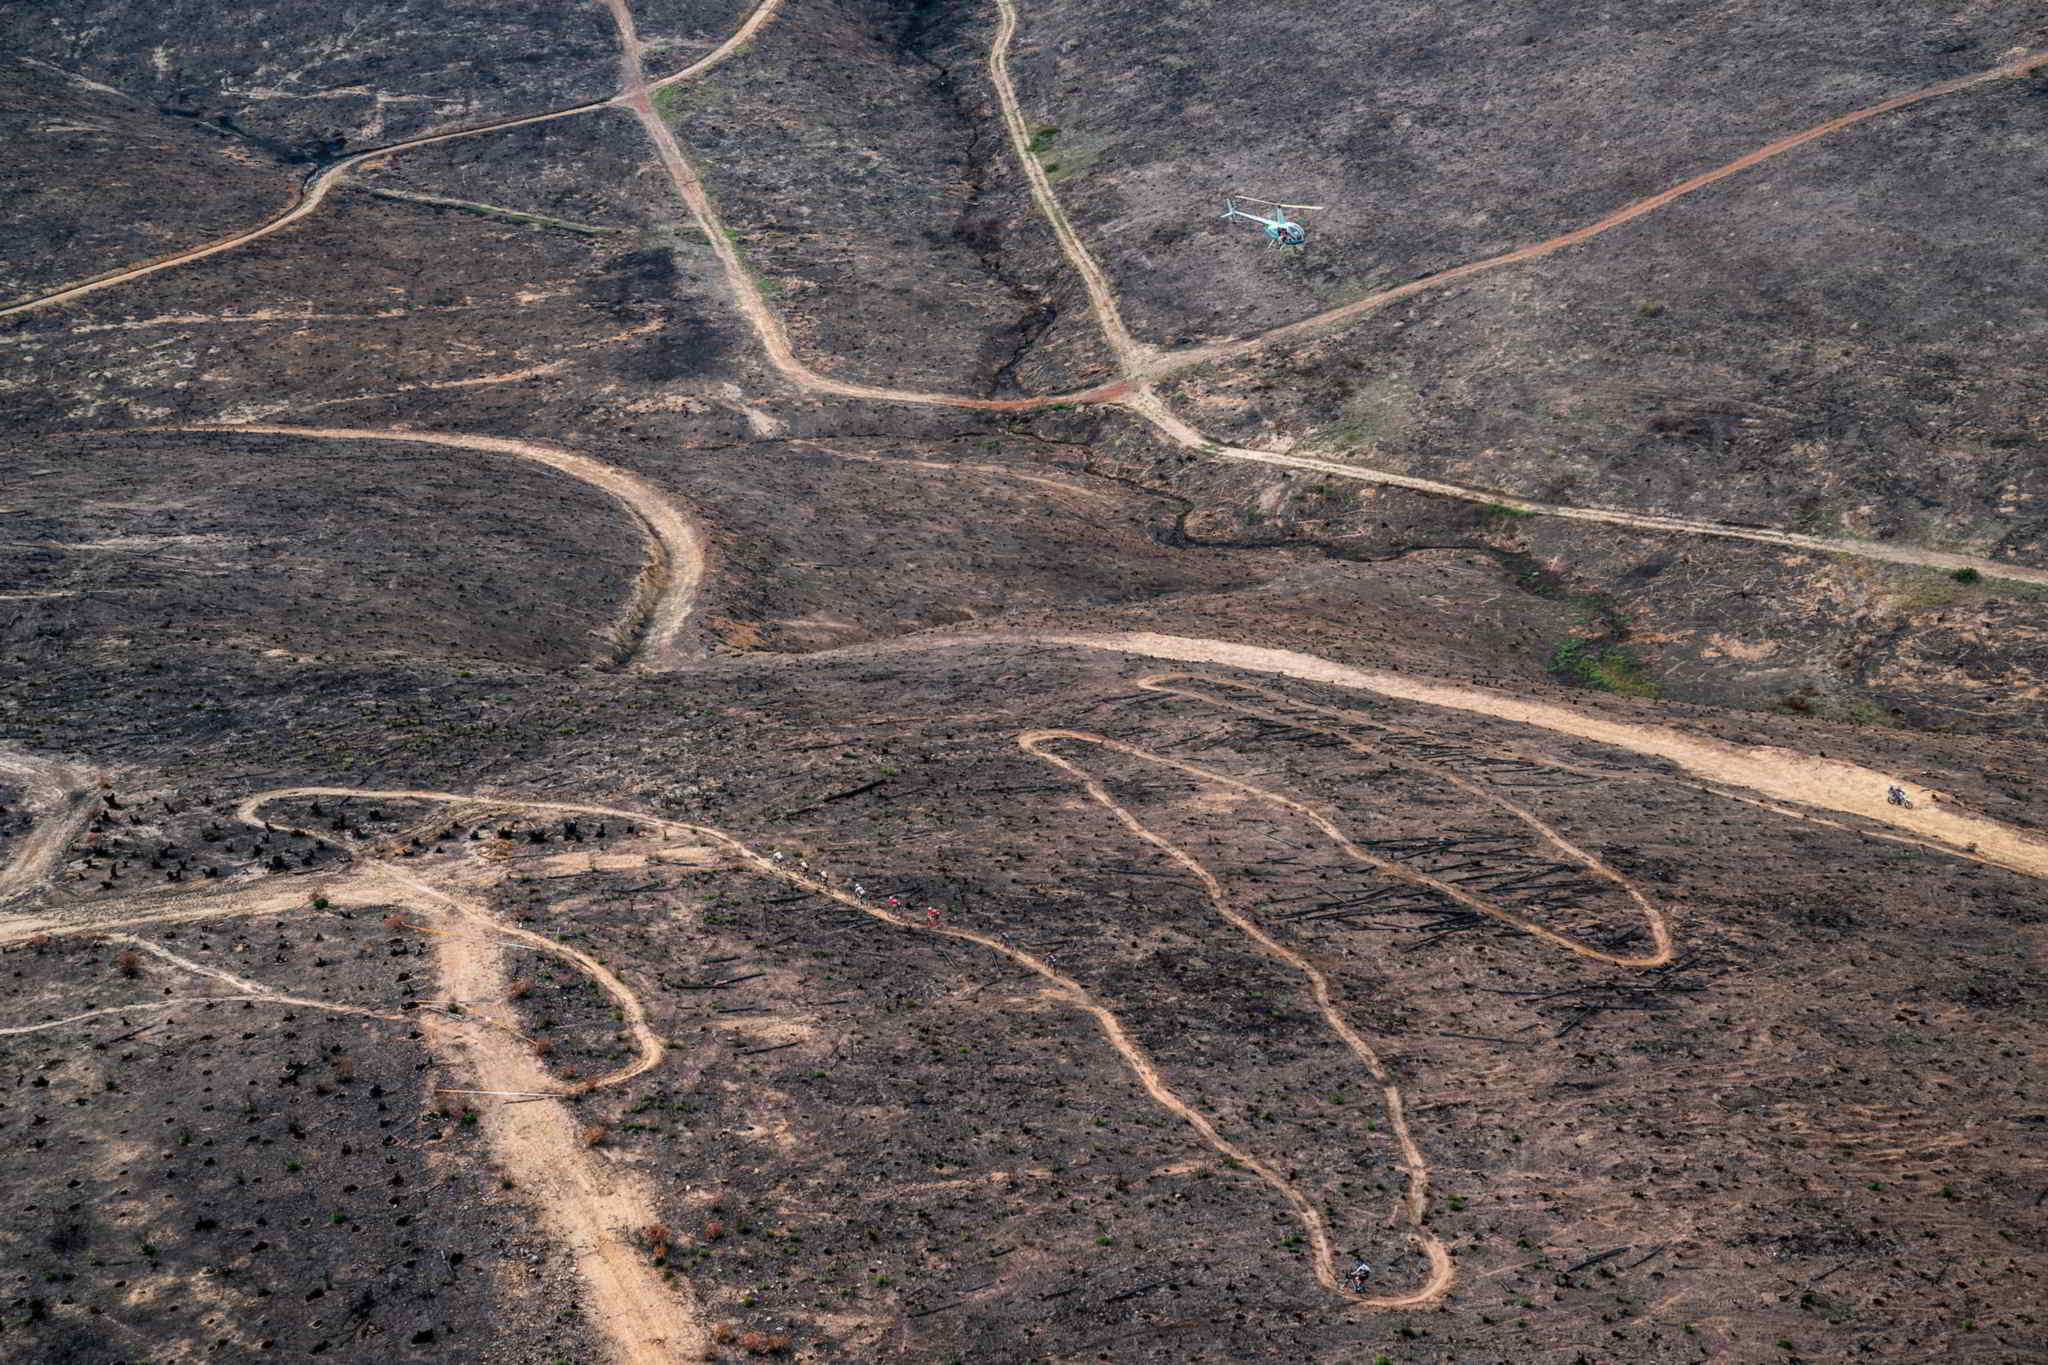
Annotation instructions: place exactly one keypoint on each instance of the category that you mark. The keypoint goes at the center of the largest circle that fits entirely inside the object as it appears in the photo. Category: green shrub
(1613, 668)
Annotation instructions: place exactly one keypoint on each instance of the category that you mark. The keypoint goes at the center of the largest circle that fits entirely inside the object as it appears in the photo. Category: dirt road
(1781, 774)
(1153, 409)
(592, 1207)
(313, 191)
(307, 197)
(1139, 362)
(1337, 317)
(470, 974)
(746, 293)
(1131, 354)
(741, 36)
(653, 633)
(596, 1214)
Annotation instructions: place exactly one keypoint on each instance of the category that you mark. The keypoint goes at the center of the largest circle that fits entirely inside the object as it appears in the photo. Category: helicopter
(1280, 229)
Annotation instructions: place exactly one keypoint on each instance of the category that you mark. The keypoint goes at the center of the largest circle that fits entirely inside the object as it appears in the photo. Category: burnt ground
(245, 1179)
(307, 81)
(266, 543)
(869, 231)
(1437, 134)
(94, 180)
(1812, 1135)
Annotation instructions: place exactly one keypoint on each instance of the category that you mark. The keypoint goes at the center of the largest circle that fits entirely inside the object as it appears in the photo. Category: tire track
(263, 998)
(270, 896)
(186, 964)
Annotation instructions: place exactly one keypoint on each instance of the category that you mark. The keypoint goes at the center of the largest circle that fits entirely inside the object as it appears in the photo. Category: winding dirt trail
(1415, 1205)
(653, 633)
(469, 974)
(251, 998)
(61, 794)
(649, 1047)
(595, 1214)
(1781, 774)
(1654, 918)
(592, 1208)
(1153, 409)
(1141, 363)
(313, 191)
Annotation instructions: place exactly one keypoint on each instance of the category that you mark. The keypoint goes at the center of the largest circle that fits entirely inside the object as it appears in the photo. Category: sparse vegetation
(263, 1133)
(1610, 668)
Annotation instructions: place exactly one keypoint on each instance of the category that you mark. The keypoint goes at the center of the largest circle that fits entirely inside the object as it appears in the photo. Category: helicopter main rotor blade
(1274, 203)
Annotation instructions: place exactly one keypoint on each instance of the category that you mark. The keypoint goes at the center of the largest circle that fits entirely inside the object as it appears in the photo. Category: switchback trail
(466, 976)
(1415, 1205)
(653, 632)
(1661, 943)
(1781, 774)
(595, 1216)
